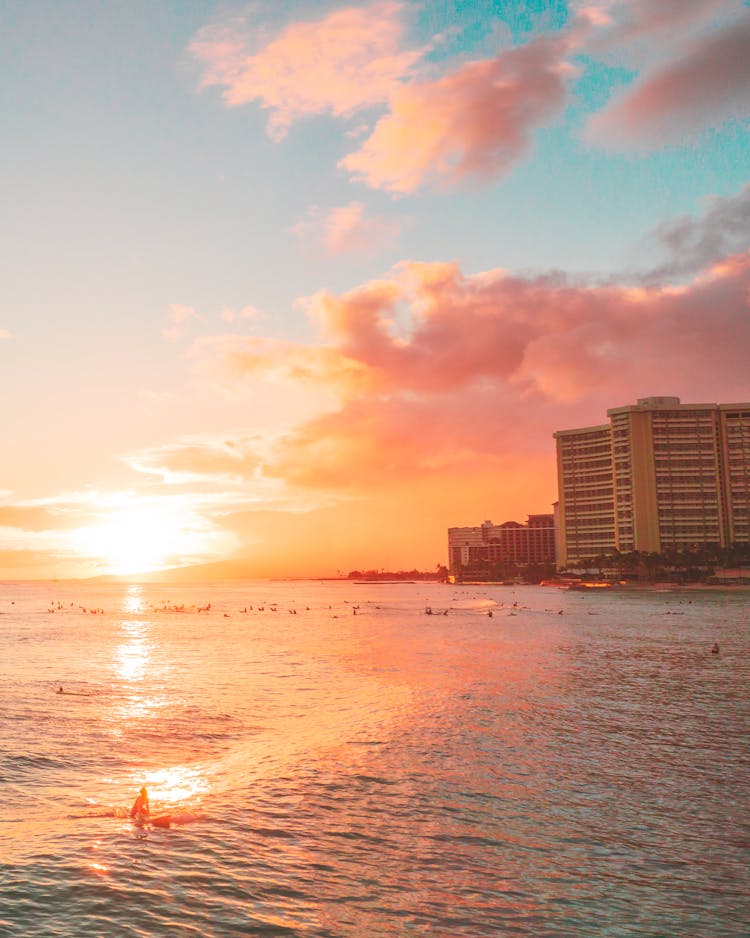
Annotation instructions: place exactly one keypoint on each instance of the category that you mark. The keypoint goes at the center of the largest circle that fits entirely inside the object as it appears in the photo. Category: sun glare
(177, 783)
(138, 539)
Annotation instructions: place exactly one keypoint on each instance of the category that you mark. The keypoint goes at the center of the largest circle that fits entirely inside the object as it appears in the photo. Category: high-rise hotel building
(659, 475)
(477, 547)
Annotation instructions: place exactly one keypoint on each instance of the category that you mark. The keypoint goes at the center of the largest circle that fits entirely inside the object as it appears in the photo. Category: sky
(299, 285)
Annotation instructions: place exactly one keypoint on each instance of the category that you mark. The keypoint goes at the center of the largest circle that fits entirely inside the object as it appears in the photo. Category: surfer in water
(140, 811)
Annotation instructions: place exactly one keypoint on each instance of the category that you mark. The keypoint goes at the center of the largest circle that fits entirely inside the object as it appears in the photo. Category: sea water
(338, 762)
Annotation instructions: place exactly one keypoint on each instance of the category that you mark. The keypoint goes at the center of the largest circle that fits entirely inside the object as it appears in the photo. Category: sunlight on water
(134, 600)
(332, 761)
(178, 783)
(127, 717)
(132, 656)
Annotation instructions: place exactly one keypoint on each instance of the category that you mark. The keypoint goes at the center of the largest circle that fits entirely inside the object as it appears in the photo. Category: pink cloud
(483, 418)
(348, 60)
(445, 376)
(456, 381)
(477, 121)
(347, 229)
(547, 333)
(707, 83)
(431, 330)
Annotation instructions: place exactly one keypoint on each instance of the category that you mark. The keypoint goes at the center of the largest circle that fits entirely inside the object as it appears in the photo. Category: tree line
(681, 564)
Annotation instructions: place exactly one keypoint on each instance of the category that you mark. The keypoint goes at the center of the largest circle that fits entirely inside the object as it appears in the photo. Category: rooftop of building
(648, 404)
(579, 430)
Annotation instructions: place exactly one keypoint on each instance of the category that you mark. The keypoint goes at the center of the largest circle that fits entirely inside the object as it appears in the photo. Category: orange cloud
(228, 314)
(705, 84)
(232, 358)
(33, 517)
(178, 316)
(195, 460)
(477, 121)
(37, 564)
(397, 440)
(348, 60)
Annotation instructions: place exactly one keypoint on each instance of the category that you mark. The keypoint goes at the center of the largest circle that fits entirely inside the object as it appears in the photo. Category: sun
(139, 539)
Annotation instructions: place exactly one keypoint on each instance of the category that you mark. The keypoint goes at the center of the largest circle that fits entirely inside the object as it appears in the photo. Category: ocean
(337, 762)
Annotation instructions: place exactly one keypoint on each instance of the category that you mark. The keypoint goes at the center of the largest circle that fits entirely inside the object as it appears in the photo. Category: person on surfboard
(140, 810)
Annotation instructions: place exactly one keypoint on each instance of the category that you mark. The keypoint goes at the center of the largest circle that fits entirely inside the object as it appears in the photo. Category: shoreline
(594, 586)
(653, 587)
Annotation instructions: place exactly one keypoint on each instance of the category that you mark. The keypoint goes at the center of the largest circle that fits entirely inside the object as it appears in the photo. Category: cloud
(430, 329)
(438, 372)
(4, 334)
(348, 60)
(232, 358)
(397, 440)
(35, 563)
(228, 314)
(33, 517)
(627, 20)
(477, 121)
(191, 461)
(693, 244)
(706, 83)
(548, 333)
(179, 315)
(347, 229)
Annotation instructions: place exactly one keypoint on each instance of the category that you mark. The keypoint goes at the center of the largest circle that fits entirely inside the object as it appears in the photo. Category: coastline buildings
(659, 475)
(475, 551)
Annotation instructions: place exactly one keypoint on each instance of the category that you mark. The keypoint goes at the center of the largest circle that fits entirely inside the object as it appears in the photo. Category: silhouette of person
(140, 810)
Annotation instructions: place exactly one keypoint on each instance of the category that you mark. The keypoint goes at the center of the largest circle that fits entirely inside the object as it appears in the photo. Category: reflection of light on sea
(137, 708)
(177, 783)
(132, 663)
(133, 599)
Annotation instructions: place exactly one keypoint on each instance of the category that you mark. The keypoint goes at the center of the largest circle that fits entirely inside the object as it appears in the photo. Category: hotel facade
(471, 550)
(659, 475)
